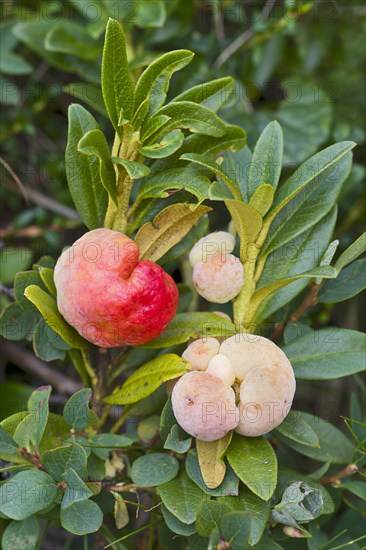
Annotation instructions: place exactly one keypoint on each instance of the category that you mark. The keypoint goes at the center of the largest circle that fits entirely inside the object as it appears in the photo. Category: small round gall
(219, 279)
(220, 366)
(219, 242)
(204, 406)
(199, 352)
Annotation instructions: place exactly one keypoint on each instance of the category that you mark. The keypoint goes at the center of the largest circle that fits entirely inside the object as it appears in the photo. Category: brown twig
(25, 360)
(8, 292)
(349, 470)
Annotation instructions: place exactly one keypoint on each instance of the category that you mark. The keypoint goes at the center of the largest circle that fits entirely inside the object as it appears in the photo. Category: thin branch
(20, 187)
(26, 361)
(243, 38)
(8, 292)
(349, 470)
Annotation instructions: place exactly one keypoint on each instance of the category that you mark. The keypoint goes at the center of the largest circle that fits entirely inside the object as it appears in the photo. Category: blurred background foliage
(300, 62)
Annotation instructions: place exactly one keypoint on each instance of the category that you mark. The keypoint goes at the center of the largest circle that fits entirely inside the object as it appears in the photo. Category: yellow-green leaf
(210, 458)
(262, 198)
(248, 223)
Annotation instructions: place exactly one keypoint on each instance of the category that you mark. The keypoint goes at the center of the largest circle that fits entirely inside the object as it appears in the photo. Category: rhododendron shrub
(185, 331)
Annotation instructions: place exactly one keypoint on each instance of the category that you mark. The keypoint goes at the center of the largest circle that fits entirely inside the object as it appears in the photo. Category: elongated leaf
(308, 194)
(166, 147)
(72, 38)
(152, 125)
(82, 172)
(38, 404)
(193, 116)
(352, 252)
(334, 445)
(190, 179)
(46, 275)
(192, 325)
(350, 282)
(301, 254)
(212, 94)
(190, 496)
(95, 144)
(135, 170)
(76, 410)
(327, 354)
(229, 485)
(325, 272)
(48, 308)
(89, 93)
(266, 163)
(168, 228)
(255, 463)
(206, 162)
(262, 199)
(148, 378)
(154, 81)
(296, 428)
(258, 510)
(7, 443)
(117, 86)
(248, 223)
(210, 457)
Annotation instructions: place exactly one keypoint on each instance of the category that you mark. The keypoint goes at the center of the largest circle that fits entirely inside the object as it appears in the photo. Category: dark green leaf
(145, 380)
(212, 94)
(57, 461)
(181, 497)
(76, 410)
(154, 469)
(266, 163)
(209, 515)
(38, 404)
(89, 93)
(21, 535)
(254, 462)
(176, 525)
(352, 252)
(296, 428)
(72, 38)
(235, 529)
(300, 503)
(7, 443)
(357, 488)
(76, 490)
(117, 86)
(82, 172)
(150, 13)
(193, 116)
(82, 517)
(152, 125)
(166, 147)
(177, 440)
(190, 178)
(22, 280)
(15, 323)
(47, 344)
(192, 325)
(12, 260)
(350, 282)
(103, 444)
(26, 494)
(327, 354)
(94, 144)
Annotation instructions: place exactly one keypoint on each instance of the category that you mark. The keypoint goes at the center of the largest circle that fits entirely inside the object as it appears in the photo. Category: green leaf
(228, 486)
(248, 223)
(212, 94)
(15, 323)
(94, 144)
(334, 445)
(308, 194)
(48, 308)
(76, 490)
(235, 529)
(47, 344)
(262, 199)
(209, 515)
(192, 325)
(190, 496)
(167, 229)
(258, 511)
(81, 518)
(135, 170)
(286, 476)
(154, 469)
(177, 526)
(46, 275)
(177, 441)
(352, 252)
(25, 432)
(154, 81)
(145, 380)
(193, 116)
(117, 86)
(357, 488)
(296, 428)
(21, 535)
(38, 404)
(236, 165)
(325, 271)
(57, 461)
(206, 162)
(152, 125)
(266, 163)
(72, 38)
(26, 494)
(327, 354)
(350, 282)
(120, 511)
(300, 255)
(89, 93)
(22, 280)
(254, 462)
(166, 147)
(13, 260)
(7, 443)
(76, 410)
(300, 503)
(103, 444)
(189, 178)
(83, 175)
(210, 457)
(13, 64)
